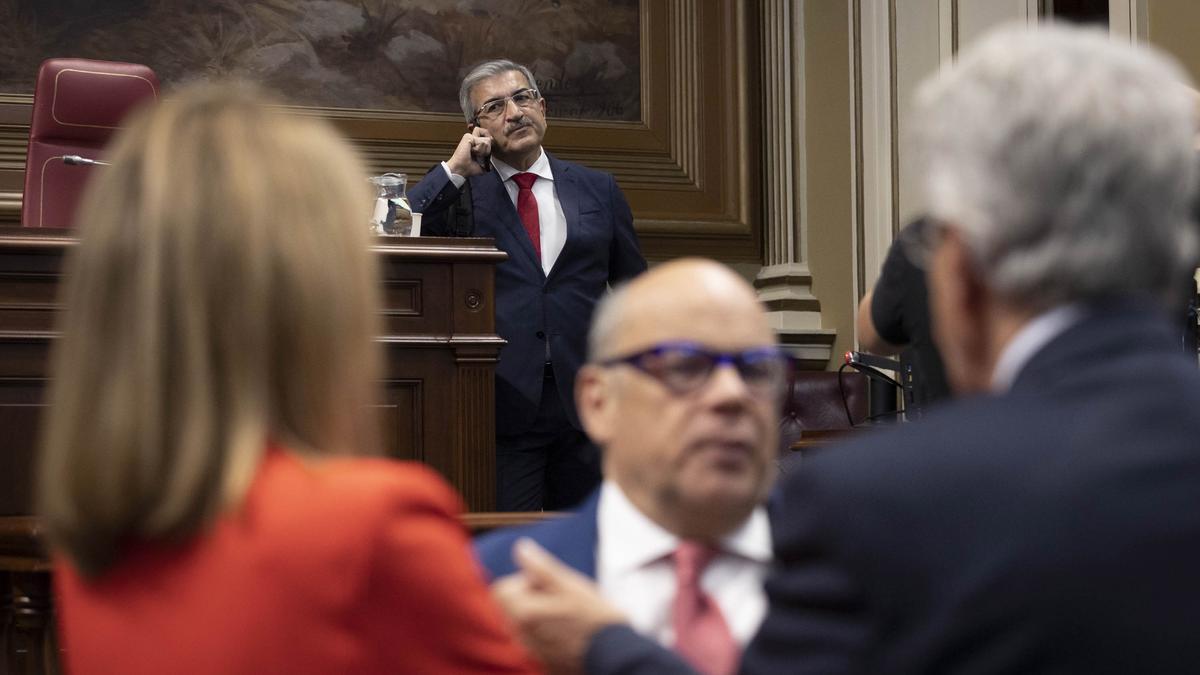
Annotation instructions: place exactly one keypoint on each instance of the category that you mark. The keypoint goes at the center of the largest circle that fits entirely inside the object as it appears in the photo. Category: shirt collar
(642, 541)
(540, 167)
(1028, 341)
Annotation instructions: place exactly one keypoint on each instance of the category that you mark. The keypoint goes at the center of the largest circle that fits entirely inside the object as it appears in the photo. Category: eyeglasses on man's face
(685, 367)
(493, 109)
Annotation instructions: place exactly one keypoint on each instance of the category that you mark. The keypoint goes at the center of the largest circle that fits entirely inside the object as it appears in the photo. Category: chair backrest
(77, 104)
(814, 402)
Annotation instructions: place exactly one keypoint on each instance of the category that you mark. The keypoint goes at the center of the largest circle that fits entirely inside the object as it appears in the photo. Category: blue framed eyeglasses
(684, 367)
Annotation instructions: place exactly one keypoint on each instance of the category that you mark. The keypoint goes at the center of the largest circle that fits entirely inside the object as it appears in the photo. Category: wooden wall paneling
(28, 297)
(400, 413)
(15, 112)
(473, 452)
(413, 303)
(28, 643)
(28, 638)
(21, 410)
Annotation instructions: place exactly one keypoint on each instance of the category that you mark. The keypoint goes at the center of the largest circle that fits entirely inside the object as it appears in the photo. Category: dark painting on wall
(391, 55)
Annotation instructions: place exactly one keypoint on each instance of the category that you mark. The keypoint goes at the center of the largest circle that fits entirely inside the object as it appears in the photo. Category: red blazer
(329, 566)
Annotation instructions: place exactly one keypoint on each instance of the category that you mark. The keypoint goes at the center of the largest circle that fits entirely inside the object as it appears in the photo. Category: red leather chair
(813, 403)
(77, 104)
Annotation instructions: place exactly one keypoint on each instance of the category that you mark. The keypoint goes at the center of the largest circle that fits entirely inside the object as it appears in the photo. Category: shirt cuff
(454, 178)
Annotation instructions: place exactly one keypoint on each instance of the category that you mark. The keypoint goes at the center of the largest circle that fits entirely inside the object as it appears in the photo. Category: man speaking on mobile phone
(568, 233)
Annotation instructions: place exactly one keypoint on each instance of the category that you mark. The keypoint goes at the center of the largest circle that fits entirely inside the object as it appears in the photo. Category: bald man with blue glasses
(682, 392)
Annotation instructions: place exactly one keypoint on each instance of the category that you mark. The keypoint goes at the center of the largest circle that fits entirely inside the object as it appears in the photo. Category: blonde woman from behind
(215, 373)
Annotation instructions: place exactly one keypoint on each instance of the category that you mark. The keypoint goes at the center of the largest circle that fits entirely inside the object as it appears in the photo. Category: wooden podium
(438, 396)
(438, 334)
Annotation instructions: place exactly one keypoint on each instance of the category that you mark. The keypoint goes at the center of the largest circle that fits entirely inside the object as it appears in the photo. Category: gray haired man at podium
(682, 391)
(1046, 521)
(568, 233)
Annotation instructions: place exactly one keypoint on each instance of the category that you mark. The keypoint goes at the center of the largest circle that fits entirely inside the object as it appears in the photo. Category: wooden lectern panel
(439, 339)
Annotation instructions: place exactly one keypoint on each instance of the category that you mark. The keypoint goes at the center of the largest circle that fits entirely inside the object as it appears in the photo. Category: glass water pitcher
(393, 215)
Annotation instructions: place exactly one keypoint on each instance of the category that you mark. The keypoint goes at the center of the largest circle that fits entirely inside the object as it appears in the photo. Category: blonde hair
(222, 297)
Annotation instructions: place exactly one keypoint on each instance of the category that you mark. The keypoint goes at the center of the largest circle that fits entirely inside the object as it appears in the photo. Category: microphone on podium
(77, 160)
(871, 365)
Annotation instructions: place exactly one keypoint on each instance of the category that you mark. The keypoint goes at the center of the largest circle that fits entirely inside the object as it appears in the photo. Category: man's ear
(595, 403)
(962, 307)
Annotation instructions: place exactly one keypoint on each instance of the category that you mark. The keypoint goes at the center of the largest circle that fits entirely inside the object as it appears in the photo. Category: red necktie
(701, 635)
(528, 210)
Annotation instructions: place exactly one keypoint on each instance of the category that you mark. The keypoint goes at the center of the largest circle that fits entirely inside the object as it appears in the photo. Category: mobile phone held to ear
(483, 160)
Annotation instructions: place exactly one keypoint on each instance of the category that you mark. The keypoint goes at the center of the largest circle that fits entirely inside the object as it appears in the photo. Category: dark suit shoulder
(494, 549)
(1008, 510)
(1026, 459)
(571, 538)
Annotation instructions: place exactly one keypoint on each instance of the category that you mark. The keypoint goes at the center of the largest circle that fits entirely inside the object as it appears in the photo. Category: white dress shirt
(635, 572)
(551, 218)
(1029, 341)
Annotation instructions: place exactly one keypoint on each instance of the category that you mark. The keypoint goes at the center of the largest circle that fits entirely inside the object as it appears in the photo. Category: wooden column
(785, 283)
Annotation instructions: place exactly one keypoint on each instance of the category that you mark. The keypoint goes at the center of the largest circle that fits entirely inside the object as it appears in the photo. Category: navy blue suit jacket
(532, 307)
(1054, 528)
(572, 539)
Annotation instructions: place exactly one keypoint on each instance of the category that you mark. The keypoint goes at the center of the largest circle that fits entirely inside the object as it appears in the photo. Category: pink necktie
(701, 635)
(528, 210)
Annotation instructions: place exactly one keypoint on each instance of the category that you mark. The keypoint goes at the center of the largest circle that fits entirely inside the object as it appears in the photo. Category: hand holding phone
(481, 150)
(473, 154)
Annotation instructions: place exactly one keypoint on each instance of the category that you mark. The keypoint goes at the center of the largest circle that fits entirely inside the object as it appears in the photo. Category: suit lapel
(588, 532)
(493, 200)
(568, 197)
(574, 538)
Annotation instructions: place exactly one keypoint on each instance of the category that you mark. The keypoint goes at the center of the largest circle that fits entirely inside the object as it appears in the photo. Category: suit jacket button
(541, 335)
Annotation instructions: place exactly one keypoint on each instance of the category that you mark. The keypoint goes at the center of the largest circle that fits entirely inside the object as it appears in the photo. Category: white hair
(1066, 161)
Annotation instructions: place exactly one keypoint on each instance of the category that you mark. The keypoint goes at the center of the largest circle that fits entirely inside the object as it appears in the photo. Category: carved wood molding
(782, 56)
(686, 167)
(474, 449)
